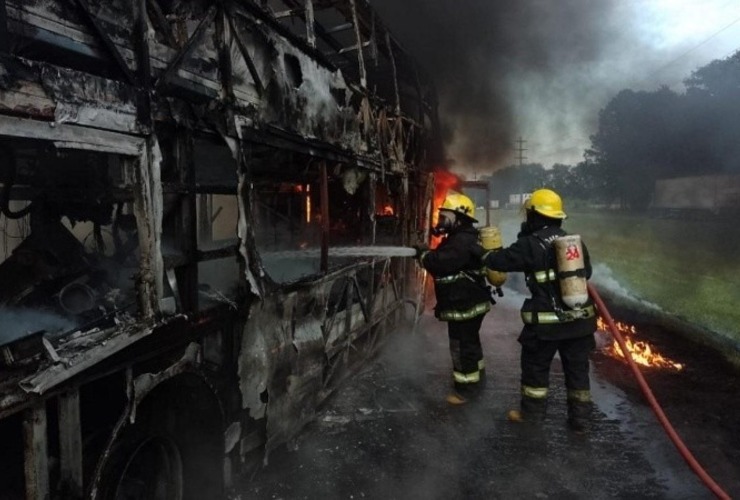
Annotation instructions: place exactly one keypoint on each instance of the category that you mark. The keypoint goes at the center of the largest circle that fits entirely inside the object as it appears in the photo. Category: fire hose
(672, 434)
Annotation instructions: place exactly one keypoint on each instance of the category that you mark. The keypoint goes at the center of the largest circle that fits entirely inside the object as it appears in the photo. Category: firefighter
(550, 326)
(462, 295)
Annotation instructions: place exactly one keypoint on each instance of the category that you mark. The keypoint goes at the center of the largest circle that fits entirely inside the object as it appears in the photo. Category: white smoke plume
(17, 323)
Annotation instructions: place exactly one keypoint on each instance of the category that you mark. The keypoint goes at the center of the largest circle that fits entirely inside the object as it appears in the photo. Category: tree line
(644, 136)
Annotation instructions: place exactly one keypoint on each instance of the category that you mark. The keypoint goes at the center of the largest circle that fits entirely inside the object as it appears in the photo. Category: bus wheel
(173, 451)
(147, 467)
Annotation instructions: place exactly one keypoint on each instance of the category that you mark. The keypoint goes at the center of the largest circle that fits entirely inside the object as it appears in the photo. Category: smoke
(537, 69)
(604, 279)
(17, 323)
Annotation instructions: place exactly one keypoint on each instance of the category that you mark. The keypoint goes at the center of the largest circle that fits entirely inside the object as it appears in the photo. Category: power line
(661, 68)
(676, 82)
(730, 53)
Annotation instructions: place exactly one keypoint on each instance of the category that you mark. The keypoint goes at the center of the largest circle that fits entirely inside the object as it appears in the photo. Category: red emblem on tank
(572, 253)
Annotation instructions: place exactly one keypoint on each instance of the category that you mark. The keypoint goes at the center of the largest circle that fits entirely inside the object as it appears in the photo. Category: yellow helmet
(460, 204)
(547, 203)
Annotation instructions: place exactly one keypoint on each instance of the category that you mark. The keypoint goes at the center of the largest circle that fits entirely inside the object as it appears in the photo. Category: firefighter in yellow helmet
(550, 325)
(462, 295)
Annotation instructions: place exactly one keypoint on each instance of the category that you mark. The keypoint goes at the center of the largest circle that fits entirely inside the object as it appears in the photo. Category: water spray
(354, 251)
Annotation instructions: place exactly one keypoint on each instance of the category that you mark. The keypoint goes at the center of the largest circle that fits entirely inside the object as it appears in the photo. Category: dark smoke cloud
(539, 69)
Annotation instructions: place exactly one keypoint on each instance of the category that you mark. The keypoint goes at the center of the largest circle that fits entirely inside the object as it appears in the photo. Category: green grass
(689, 269)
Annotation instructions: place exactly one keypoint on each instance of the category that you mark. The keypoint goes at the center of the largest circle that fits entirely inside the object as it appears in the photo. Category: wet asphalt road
(388, 433)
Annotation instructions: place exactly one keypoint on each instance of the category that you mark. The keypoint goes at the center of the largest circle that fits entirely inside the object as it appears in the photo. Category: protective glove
(420, 250)
(483, 254)
(478, 252)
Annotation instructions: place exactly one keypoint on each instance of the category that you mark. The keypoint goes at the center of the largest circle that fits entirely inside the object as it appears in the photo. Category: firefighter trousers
(537, 356)
(467, 354)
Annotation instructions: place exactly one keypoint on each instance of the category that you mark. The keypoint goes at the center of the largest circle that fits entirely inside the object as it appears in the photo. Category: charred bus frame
(164, 162)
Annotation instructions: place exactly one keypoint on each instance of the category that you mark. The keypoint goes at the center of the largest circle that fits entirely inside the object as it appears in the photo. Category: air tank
(490, 239)
(571, 271)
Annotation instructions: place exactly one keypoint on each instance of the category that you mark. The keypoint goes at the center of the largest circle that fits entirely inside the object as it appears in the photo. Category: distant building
(713, 193)
(517, 200)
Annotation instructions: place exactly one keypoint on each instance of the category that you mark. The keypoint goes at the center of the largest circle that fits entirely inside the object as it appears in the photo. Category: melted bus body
(166, 165)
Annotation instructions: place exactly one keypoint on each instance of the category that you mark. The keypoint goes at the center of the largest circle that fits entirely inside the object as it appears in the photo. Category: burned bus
(174, 176)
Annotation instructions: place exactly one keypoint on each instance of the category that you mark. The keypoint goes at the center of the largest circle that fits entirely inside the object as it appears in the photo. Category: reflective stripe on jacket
(459, 280)
(462, 275)
(566, 316)
(545, 276)
(457, 315)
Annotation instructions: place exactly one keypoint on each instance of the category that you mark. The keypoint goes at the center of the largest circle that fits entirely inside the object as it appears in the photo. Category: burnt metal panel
(110, 47)
(193, 69)
(70, 443)
(174, 64)
(4, 38)
(36, 464)
(67, 133)
(282, 371)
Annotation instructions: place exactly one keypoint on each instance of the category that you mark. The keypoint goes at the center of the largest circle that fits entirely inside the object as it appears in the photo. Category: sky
(540, 70)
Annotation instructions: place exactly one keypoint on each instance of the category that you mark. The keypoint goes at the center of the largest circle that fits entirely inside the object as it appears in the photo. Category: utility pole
(520, 150)
(520, 156)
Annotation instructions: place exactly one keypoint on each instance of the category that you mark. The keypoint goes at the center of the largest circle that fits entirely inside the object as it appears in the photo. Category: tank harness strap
(580, 273)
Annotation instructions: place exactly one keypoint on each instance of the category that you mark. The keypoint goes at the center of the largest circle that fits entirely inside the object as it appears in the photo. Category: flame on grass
(641, 351)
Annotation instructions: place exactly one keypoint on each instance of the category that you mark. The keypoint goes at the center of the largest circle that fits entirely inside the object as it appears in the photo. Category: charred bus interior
(178, 180)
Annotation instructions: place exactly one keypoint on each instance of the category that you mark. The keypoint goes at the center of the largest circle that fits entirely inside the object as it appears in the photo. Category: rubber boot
(482, 382)
(579, 416)
(531, 411)
(456, 399)
(465, 393)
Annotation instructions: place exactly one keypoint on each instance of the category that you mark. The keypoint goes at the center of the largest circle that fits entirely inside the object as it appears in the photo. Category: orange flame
(443, 182)
(641, 352)
(308, 203)
(387, 210)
